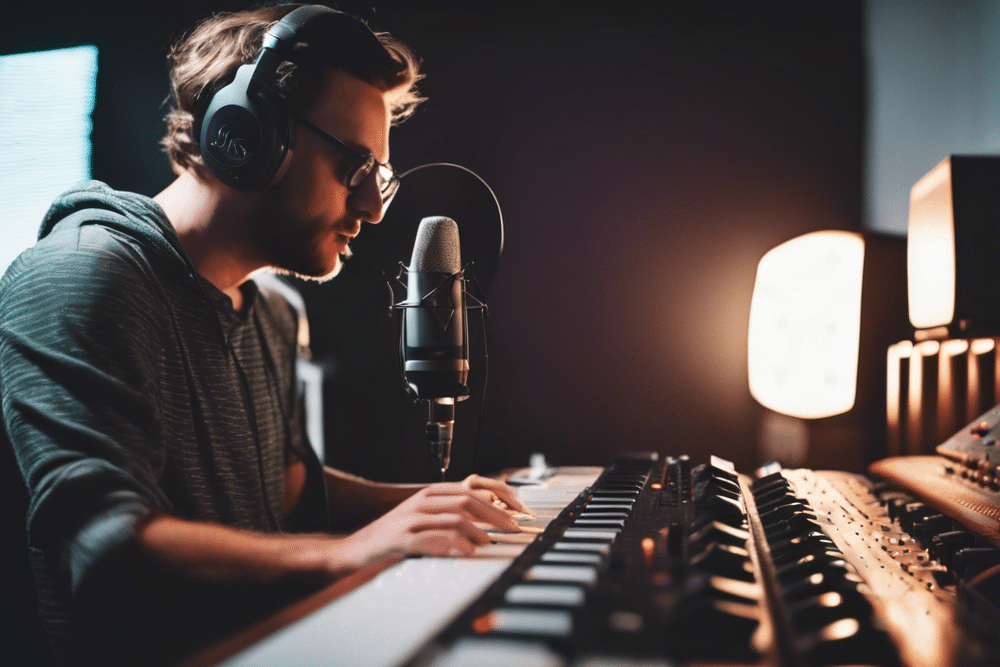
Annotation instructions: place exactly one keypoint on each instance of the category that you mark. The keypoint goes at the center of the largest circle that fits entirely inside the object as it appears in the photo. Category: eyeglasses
(363, 166)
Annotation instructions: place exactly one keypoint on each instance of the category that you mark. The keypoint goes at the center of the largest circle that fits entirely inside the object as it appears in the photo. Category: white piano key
(587, 521)
(560, 596)
(595, 534)
(508, 551)
(543, 622)
(622, 661)
(499, 652)
(577, 574)
(608, 505)
(382, 622)
(570, 557)
(503, 537)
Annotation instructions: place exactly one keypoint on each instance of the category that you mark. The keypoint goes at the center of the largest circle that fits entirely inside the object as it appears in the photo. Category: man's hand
(439, 520)
(498, 493)
(435, 520)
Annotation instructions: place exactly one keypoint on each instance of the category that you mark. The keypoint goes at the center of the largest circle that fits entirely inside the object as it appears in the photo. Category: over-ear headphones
(245, 134)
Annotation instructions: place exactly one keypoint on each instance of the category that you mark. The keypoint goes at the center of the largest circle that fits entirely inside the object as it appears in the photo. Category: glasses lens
(387, 181)
(360, 172)
(389, 193)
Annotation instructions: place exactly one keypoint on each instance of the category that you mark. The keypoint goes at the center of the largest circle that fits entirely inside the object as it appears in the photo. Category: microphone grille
(437, 247)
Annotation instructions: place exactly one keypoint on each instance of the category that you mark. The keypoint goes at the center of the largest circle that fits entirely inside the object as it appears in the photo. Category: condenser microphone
(435, 330)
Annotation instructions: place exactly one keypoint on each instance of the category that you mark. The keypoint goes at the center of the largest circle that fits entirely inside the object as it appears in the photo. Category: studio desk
(651, 561)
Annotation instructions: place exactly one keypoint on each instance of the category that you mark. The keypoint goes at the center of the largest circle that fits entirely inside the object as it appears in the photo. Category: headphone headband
(245, 134)
(284, 31)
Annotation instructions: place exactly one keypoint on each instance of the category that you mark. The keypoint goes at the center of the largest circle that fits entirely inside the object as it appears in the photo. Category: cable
(479, 178)
(476, 462)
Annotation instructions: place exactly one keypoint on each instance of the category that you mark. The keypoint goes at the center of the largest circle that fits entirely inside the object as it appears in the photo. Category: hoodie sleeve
(80, 340)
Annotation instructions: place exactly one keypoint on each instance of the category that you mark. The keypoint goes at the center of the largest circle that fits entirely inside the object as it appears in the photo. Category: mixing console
(662, 563)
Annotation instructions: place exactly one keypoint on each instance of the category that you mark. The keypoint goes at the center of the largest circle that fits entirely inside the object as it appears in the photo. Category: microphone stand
(441, 429)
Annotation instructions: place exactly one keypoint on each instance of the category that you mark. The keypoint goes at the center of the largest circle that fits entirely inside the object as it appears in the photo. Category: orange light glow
(805, 325)
(983, 345)
(483, 624)
(648, 549)
(930, 250)
(953, 348)
(928, 348)
(830, 599)
(842, 629)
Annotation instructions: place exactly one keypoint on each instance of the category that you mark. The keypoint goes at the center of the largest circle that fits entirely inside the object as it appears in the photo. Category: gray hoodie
(130, 385)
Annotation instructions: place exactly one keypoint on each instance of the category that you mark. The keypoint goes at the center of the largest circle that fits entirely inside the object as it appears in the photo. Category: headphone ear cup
(244, 140)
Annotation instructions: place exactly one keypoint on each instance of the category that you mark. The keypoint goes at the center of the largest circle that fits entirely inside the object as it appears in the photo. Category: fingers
(503, 492)
(454, 524)
(441, 543)
(412, 534)
(443, 498)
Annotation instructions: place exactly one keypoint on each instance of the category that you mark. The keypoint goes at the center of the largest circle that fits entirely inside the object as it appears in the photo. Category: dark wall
(644, 159)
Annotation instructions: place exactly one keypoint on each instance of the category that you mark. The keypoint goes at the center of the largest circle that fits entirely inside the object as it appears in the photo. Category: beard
(275, 267)
(296, 249)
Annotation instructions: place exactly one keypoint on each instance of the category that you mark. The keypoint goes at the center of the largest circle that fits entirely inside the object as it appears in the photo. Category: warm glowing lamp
(805, 324)
(825, 307)
(953, 241)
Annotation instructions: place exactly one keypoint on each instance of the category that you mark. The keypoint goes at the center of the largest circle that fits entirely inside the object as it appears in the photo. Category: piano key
(595, 547)
(570, 557)
(499, 652)
(544, 594)
(587, 521)
(622, 661)
(593, 534)
(577, 574)
(515, 620)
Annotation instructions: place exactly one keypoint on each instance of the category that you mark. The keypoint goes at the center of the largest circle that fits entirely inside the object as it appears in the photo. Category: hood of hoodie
(138, 216)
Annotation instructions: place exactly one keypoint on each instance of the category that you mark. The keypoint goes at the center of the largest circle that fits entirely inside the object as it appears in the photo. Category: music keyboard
(654, 562)
(659, 564)
(387, 620)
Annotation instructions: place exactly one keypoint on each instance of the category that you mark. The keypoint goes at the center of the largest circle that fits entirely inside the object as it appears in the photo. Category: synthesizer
(659, 562)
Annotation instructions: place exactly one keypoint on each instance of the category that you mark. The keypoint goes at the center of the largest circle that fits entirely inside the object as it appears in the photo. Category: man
(148, 384)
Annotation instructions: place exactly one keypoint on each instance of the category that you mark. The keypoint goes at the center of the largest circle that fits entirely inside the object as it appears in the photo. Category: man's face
(306, 220)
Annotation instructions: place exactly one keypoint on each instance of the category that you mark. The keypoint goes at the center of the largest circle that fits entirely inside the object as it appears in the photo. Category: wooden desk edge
(227, 648)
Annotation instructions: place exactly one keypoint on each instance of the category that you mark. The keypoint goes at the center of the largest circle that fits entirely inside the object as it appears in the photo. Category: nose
(366, 201)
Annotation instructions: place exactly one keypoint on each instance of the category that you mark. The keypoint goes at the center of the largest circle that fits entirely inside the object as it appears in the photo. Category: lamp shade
(805, 325)
(931, 250)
